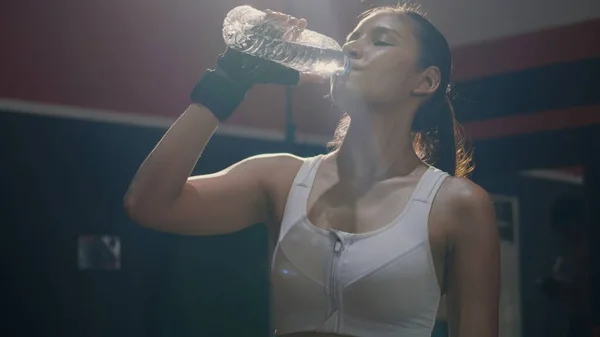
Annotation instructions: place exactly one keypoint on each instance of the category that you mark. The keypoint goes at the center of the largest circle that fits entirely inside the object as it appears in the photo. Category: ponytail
(439, 139)
(446, 151)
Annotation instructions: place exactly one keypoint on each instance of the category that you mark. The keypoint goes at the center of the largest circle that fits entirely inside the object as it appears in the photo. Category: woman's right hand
(295, 27)
(248, 70)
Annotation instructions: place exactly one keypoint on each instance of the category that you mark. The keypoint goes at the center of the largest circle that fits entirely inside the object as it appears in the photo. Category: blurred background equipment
(99, 252)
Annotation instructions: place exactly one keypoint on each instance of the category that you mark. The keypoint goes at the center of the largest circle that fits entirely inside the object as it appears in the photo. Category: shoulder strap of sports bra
(307, 173)
(431, 182)
(423, 197)
(295, 205)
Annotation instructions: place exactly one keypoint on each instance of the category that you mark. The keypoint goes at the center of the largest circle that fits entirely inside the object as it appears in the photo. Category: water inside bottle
(245, 29)
(297, 56)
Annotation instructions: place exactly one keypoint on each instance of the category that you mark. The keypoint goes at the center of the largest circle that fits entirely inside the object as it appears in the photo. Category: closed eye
(381, 43)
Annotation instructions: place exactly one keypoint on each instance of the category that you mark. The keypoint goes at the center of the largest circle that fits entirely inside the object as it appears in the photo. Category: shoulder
(276, 173)
(274, 170)
(463, 194)
(270, 163)
(269, 170)
(468, 208)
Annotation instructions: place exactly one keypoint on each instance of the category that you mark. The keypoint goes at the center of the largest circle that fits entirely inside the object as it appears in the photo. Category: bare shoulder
(467, 206)
(271, 171)
(279, 170)
(276, 174)
(285, 160)
(463, 194)
(265, 167)
(270, 161)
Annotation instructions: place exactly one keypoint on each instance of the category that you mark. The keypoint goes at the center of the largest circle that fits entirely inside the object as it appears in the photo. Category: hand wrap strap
(222, 89)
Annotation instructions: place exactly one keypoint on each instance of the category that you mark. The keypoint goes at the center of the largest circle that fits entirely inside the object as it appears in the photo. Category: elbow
(136, 210)
(146, 213)
(130, 204)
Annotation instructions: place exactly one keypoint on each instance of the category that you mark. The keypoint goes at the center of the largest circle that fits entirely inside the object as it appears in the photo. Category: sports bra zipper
(337, 251)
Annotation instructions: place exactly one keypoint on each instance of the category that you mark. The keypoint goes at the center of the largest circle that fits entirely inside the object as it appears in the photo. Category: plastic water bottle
(247, 30)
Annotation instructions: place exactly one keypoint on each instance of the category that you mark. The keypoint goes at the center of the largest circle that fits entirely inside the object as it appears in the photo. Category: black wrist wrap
(218, 93)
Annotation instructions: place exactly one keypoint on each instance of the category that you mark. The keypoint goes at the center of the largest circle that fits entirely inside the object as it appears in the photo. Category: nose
(351, 50)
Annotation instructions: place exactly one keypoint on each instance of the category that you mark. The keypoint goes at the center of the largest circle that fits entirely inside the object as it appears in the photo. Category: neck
(377, 146)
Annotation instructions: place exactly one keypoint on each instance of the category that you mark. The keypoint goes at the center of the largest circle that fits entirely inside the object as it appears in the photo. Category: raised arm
(164, 197)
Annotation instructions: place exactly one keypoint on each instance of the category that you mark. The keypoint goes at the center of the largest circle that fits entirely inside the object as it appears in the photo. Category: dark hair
(439, 139)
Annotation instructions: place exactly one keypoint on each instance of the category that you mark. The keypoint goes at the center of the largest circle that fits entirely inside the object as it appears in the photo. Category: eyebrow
(378, 30)
(386, 30)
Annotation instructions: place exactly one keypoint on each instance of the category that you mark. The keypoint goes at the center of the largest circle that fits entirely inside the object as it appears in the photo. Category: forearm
(162, 175)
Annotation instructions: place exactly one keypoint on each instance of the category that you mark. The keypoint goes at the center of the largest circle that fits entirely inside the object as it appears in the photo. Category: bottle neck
(347, 66)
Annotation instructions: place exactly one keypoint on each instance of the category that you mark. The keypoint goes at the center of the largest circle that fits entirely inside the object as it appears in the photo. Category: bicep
(474, 277)
(223, 202)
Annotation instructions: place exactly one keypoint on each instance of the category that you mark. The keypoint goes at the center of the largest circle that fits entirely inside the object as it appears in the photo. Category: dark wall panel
(63, 178)
(540, 247)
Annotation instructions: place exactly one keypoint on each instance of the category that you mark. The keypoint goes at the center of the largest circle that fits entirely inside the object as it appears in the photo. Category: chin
(347, 96)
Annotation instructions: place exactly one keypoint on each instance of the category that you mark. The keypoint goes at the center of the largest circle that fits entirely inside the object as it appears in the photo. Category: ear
(428, 81)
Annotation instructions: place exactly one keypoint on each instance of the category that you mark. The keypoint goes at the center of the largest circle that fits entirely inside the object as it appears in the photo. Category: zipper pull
(337, 246)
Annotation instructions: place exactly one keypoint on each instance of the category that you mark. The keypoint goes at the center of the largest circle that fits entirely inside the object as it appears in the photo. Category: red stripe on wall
(532, 123)
(561, 44)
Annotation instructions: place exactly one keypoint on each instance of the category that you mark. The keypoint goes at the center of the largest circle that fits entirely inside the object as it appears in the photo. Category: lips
(349, 72)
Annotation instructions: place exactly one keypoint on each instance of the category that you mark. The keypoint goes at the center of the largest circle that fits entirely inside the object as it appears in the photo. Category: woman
(369, 236)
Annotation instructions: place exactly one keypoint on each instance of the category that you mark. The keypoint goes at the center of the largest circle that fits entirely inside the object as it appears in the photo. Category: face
(383, 52)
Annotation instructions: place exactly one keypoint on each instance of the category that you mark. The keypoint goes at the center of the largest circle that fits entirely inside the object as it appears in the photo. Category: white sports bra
(375, 284)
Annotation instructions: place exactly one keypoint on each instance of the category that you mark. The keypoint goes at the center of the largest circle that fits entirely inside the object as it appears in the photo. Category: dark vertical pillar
(592, 196)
